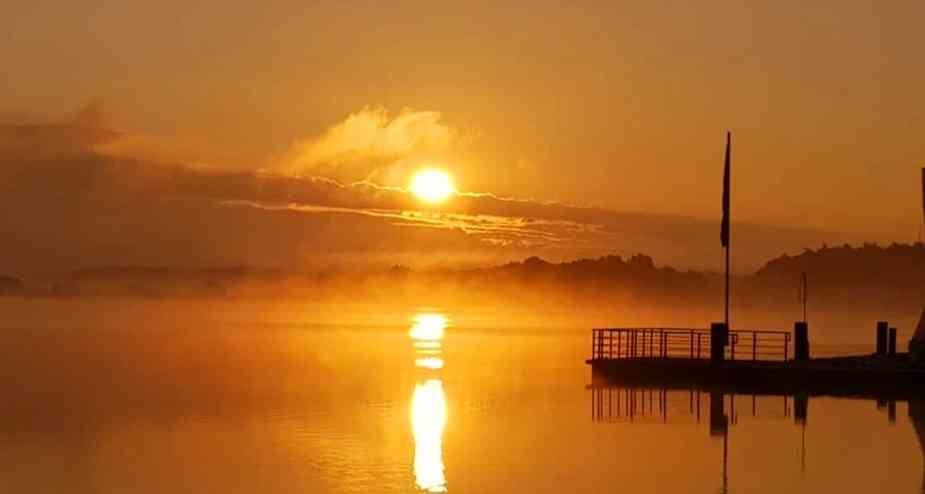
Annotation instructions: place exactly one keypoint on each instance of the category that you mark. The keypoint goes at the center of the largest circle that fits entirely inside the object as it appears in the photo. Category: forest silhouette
(882, 277)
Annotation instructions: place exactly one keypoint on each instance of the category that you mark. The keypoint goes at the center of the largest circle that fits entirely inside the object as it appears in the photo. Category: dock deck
(754, 361)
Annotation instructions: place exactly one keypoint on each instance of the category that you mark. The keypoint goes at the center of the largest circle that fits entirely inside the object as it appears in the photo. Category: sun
(432, 185)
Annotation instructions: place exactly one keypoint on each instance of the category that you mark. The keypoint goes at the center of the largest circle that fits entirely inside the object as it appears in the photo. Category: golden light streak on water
(428, 403)
(428, 326)
(428, 419)
(432, 363)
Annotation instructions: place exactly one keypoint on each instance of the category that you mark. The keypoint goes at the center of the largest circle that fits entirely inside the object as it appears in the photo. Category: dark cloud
(71, 205)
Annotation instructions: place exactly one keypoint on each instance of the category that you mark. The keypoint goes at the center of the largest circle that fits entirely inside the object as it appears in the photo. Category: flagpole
(922, 224)
(727, 219)
(728, 248)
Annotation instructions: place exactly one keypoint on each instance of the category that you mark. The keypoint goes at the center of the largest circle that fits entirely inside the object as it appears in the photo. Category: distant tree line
(11, 286)
(889, 273)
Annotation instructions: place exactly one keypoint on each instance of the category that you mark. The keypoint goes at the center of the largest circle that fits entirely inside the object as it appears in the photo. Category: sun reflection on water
(428, 403)
(428, 327)
(428, 418)
(432, 363)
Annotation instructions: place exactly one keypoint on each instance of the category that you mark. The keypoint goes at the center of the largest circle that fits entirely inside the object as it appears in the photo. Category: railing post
(754, 346)
(692, 343)
(593, 339)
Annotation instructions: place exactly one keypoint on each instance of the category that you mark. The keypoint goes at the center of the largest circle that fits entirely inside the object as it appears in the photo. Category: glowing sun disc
(432, 185)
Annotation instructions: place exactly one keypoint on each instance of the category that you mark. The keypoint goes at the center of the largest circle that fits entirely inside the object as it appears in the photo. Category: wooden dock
(753, 361)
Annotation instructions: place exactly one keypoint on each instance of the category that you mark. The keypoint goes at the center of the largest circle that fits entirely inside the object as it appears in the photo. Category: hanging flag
(724, 231)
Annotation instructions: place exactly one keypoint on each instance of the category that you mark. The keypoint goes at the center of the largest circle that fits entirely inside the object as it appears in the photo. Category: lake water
(114, 397)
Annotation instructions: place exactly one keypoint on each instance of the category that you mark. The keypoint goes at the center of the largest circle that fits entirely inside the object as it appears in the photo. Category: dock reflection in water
(612, 403)
(428, 403)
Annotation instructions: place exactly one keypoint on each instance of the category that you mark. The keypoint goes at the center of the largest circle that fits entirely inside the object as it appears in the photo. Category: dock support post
(891, 343)
(801, 341)
(882, 329)
(719, 338)
(719, 421)
(800, 408)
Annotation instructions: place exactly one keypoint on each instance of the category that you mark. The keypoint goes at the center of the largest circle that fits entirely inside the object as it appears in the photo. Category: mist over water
(465, 247)
(105, 396)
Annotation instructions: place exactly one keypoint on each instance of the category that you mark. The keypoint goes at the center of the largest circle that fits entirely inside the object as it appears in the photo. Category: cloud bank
(72, 204)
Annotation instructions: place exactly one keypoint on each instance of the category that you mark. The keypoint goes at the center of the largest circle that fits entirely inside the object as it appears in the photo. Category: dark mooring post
(719, 338)
(882, 330)
(800, 408)
(801, 341)
(891, 343)
(719, 421)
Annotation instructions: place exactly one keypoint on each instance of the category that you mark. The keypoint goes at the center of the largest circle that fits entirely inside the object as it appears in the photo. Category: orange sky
(621, 106)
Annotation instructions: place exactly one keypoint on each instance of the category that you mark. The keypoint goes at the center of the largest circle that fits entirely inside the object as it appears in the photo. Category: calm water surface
(119, 398)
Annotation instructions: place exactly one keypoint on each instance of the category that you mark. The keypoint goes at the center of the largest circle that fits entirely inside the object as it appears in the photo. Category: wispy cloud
(495, 230)
(370, 144)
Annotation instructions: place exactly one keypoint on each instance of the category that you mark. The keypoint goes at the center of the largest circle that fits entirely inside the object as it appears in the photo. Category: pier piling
(800, 408)
(719, 338)
(882, 330)
(801, 341)
(719, 421)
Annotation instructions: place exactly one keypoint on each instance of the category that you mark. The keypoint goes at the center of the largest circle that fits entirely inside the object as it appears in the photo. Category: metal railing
(691, 343)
